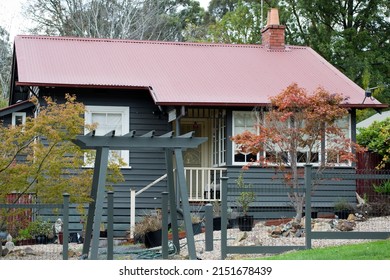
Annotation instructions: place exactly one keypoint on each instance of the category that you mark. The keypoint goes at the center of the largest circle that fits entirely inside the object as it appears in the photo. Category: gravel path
(260, 235)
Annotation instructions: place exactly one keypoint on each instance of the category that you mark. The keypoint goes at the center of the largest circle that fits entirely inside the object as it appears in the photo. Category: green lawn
(377, 250)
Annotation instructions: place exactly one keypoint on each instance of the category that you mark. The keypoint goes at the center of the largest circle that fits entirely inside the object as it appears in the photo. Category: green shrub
(383, 188)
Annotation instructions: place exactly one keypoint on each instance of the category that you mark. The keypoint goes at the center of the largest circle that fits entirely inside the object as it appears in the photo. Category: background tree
(376, 138)
(236, 21)
(241, 25)
(5, 66)
(350, 34)
(39, 157)
(292, 130)
(120, 19)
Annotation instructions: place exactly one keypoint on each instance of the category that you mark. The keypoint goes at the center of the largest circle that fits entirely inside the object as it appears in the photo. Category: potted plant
(342, 208)
(246, 197)
(216, 215)
(41, 230)
(24, 237)
(103, 231)
(196, 223)
(148, 230)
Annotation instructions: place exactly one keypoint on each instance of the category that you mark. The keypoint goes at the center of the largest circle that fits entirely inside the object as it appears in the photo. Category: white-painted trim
(18, 114)
(125, 119)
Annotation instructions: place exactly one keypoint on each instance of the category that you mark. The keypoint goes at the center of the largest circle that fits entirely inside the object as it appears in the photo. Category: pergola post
(167, 143)
(182, 187)
(172, 199)
(95, 209)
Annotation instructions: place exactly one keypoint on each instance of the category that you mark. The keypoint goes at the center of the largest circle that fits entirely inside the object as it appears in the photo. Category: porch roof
(180, 73)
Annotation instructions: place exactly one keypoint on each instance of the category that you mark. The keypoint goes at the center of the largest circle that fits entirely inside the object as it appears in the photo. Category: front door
(196, 158)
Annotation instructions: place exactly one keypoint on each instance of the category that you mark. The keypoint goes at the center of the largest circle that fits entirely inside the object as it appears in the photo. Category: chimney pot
(272, 35)
(273, 17)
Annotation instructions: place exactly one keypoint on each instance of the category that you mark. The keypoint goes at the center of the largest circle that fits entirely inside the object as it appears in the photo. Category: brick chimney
(272, 35)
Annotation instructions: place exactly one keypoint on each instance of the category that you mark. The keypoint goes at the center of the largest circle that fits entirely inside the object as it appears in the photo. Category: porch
(203, 183)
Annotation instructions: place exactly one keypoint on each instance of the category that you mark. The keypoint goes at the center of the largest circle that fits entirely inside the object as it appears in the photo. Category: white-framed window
(332, 156)
(246, 121)
(243, 121)
(18, 118)
(109, 118)
(219, 138)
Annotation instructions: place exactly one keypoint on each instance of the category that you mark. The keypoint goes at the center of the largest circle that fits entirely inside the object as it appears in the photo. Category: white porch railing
(133, 194)
(203, 185)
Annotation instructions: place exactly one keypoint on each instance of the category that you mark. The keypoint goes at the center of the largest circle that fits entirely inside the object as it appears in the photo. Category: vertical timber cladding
(272, 201)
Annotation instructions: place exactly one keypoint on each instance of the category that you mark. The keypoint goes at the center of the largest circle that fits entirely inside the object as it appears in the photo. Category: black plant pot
(342, 214)
(314, 214)
(103, 233)
(217, 223)
(232, 223)
(245, 223)
(41, 239)
(153, 239)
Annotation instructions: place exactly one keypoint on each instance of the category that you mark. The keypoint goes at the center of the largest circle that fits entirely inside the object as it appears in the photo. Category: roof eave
(365, 106)
(38, 84)
(16, 107)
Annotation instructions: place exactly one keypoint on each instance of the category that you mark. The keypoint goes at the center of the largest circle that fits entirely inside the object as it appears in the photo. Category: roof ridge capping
(149, 42)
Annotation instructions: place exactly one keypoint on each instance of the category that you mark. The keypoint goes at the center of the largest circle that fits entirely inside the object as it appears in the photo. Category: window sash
(331, 157)
(219, 138)
(110, 118)
(18, 118)
(243, 121)
(268, 154)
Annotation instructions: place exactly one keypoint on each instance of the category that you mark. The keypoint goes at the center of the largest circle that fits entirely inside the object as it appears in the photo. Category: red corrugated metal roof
(179, 73)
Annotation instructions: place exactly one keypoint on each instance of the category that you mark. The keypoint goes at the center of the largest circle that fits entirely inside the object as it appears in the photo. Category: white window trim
(219, 139)
(234, 163)
(349, 164)
(238, 163)
(18, 114)
(124, 111)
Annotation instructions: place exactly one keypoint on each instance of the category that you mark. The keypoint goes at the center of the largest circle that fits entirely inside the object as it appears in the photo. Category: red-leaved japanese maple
(299, 127)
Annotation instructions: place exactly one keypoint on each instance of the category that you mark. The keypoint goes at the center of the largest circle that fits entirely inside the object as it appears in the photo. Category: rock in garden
(73, 253)
(351, 218)
(276, 232)
(346, 226)
(10, 246)
(29, 251)
(4, 252)
(241, 237)
(322, 226)
(300, 233)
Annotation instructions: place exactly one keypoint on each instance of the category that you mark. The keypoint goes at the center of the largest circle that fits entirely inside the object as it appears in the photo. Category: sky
(12, 19)
(10, 16)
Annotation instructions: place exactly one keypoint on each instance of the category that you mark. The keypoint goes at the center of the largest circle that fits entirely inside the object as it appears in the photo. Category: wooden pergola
(172, 145)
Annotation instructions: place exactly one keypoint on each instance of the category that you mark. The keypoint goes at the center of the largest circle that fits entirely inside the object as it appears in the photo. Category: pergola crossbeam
(167, 142)
(111, 133)
(150, 134)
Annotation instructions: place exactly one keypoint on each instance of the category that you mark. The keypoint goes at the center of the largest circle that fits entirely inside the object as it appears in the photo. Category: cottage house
(207, 88)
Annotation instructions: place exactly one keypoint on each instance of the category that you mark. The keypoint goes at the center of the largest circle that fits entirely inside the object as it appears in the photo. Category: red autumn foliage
(293, 130)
